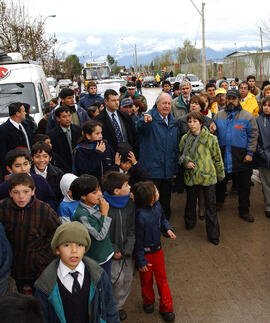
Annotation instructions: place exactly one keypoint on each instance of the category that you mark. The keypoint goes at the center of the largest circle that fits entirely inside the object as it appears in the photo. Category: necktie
(24, 138)
(68, 134)
(76, 285)
(117, 129)
(187, 102)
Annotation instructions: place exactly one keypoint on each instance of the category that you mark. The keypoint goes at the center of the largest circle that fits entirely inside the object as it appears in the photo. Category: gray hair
(160, 95)
(185, 83)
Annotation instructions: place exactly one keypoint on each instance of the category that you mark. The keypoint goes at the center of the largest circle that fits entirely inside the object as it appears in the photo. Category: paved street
(228, 283)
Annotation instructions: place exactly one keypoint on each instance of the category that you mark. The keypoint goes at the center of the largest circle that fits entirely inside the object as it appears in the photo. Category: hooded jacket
(207, 159)
(68, 206)
(101, 307)
(237, 134)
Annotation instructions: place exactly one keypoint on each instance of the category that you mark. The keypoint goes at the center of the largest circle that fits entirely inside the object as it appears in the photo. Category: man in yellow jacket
(248, 100)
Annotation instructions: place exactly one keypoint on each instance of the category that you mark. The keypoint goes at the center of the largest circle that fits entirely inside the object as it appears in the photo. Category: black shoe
(168, 316)
(215, 242)
(247, 217)
(267, 214)
(122, 315)
(148, 308)
(201, 217)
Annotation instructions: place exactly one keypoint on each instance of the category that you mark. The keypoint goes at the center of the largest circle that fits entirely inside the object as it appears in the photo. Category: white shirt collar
(64, 270)
(43, 174)
(15, 124)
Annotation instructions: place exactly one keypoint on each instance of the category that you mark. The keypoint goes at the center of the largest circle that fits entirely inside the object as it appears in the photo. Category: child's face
(92, 198)
(41, 160)
(156, 198)
(125, 166)
(71, 254)
(20, 165)
(266, 108)
(124, 190)
(21, 195)
(96, 134)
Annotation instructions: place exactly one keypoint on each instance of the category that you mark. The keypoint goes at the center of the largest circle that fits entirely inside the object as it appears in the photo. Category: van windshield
(17, 92)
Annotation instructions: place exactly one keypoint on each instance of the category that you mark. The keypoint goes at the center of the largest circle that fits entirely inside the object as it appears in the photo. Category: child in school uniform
(150, 220)
(74, 288)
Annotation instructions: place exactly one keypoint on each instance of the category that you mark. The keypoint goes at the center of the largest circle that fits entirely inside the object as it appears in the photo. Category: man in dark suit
(14, 133)
(118, 126)
(64, 137)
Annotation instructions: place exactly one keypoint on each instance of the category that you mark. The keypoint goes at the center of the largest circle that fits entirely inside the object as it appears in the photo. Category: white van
(22, 81)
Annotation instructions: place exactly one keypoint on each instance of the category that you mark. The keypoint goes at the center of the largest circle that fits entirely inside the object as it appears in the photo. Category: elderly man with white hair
(159, 140)
(181, 104)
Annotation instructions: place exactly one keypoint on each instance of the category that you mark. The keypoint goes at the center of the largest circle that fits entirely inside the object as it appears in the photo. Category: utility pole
(261, 39)
(203, 41)
(203, 45)
(136, 60)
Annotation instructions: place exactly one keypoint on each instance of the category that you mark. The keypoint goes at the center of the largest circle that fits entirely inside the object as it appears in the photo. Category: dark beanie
(73, 232)
(123, 149)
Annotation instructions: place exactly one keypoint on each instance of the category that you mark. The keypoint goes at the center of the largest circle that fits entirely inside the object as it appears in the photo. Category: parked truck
(100, 73)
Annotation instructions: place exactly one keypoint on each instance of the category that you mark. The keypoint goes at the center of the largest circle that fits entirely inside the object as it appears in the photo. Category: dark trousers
(164, 187)
(211, 220)
(242, 182)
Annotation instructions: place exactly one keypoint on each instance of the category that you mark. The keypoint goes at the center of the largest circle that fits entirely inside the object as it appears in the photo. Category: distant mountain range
(210, 53)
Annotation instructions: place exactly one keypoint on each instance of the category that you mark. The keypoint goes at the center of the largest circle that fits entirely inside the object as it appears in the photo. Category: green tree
(20, 33)
(72, 66)
(110, 60)
(188, 53)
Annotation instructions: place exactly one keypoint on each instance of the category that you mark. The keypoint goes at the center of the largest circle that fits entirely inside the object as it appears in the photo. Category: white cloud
(93, 40)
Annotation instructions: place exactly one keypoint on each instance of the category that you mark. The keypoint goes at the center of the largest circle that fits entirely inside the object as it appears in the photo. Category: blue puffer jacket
(88, 99)
(149, 222)
(159, 145)
(237, 134)
(263, 147)
(101, 308)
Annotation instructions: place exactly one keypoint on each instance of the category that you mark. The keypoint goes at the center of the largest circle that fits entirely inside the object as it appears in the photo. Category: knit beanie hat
(71, 232)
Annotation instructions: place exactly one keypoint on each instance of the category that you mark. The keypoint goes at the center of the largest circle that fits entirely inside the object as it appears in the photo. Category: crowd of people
(86, 193)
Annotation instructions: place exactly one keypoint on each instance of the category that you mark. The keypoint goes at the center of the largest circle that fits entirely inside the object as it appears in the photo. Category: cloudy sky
(102, 27)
